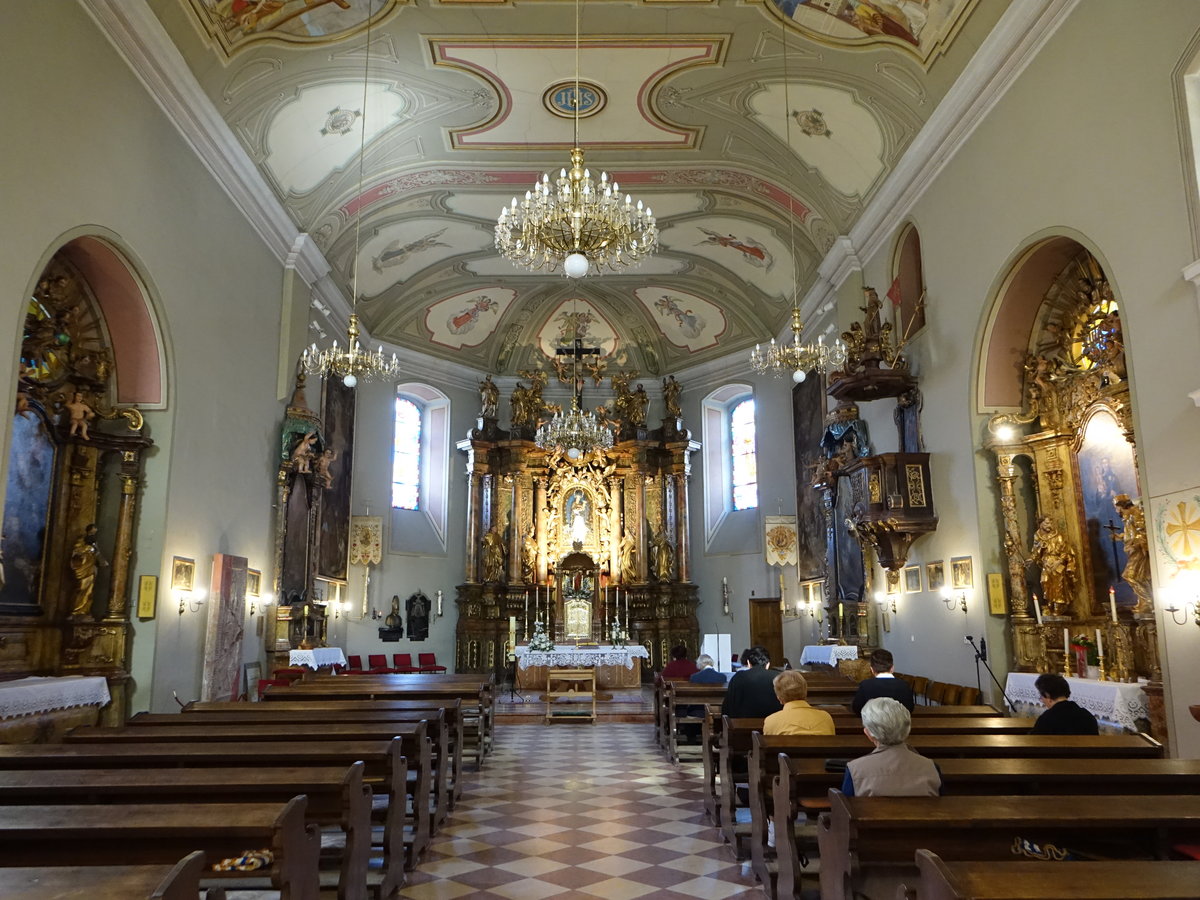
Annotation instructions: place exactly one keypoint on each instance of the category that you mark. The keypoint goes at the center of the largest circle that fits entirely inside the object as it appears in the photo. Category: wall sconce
(259, 604)
(883, 600)
(193, 599)
(439, 603)
(955, 598)
(725, 595)
(1185, 586)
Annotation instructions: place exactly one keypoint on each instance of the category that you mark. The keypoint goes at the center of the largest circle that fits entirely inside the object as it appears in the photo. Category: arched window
(406, 456)
(743, 460)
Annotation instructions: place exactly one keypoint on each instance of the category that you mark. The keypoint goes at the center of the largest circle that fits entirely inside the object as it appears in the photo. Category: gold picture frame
(997, 602)
(935, 575)
(962, 574)
(183, 573)
(912, 579)
(147, 596)
(253, 583)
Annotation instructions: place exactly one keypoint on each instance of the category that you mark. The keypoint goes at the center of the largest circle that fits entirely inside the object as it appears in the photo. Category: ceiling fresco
(686, 108)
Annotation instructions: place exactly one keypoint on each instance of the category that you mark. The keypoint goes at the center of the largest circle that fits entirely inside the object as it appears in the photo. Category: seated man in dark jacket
(884, 684)
(1062, 716)
(751, 692)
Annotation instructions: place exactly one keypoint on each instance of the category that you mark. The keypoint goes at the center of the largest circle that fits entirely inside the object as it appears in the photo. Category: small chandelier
(354, 363)
(797, 357)
(574, 221)
(576, 430)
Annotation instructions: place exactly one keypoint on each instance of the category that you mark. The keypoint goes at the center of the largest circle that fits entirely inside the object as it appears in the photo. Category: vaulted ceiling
(752, 178)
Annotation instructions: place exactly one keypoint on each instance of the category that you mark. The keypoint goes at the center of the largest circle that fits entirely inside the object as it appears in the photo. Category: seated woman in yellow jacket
(796, 717)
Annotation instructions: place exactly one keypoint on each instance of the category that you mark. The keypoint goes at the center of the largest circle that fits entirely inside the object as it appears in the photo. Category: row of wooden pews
(228, 779)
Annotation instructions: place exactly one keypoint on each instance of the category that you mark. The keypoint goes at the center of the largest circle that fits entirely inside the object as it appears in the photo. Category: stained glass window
(745, 465)
(406, 458)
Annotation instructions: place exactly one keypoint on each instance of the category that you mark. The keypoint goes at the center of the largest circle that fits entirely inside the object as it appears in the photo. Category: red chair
(402, 663)
(264, 684)
(354, 665)
(428, 663)
(378, 664)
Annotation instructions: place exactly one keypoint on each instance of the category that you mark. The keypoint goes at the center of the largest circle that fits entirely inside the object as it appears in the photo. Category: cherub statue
(303, 453)
(321, 464)
(80, 414)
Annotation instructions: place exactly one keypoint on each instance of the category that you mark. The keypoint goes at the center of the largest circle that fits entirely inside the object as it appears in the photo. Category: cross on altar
(578, 352)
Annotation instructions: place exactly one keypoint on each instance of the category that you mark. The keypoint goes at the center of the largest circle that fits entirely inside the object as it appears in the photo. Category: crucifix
(577, 351)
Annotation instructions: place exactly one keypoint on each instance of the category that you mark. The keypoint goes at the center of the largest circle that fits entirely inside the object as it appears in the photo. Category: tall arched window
(406, 456)
(744, 464)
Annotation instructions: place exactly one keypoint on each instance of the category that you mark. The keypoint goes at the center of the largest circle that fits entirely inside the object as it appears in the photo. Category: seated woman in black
(1062, 715)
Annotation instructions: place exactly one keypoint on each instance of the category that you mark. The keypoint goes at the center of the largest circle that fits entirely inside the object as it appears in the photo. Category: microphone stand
(981, 658)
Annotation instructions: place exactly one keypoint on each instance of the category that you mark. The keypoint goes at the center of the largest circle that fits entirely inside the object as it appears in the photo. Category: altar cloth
(1114, 702)
(576, 658)
(827, 654)
(38, 694)
(317, 657)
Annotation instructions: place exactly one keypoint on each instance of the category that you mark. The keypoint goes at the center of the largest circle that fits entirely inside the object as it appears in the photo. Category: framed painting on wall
(935, 575)
(961, 574)
(147, 596)
(995, 588)
(912, 579)
(253, 583)
(183, 573)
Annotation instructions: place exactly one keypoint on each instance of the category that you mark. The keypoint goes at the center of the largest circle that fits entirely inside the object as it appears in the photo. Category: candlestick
(1066, 653)
(526, 614)
(1103, 674)
(1112, 603)
(1037, 609)
(1099, 643)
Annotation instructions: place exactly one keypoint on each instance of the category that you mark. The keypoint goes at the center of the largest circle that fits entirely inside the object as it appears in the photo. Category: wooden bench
(337, 795)
(141, 834)
(1104, 880)
(178, 882)
(868, 844)
(385, 770)
(419, 790)
(686, 695)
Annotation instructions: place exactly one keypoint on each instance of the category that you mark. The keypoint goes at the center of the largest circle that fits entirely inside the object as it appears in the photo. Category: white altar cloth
(38, 694)
(1114, 702)
(575, 658)
(317, 657)
(827, 654)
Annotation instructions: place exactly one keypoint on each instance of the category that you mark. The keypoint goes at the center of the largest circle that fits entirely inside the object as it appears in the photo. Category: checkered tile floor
(576, 810)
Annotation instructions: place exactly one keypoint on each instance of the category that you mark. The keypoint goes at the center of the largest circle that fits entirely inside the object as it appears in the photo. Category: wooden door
(766, 626)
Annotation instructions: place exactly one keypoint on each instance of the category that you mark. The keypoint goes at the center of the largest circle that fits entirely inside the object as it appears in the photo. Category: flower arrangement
(540, 641)
(618, 637)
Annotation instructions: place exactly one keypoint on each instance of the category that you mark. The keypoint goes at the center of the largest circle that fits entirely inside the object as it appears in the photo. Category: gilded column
(515, 506)
(1006, 474)
(683, 528)
(539, 519)
(474, 512)
(118, 597)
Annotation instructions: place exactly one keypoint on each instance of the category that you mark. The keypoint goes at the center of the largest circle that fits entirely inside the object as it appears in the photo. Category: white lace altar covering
(574, 658)
(317, 657)
(827, 654)
(38, 694)
(1112, 702)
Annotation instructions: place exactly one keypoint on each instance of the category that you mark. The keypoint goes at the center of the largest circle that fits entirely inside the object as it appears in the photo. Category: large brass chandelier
(354, 363)
(574, 221)
(577, 430)
(797, 356)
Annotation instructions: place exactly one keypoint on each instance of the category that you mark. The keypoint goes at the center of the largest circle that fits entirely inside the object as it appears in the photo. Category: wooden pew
(417, 750)
(336, 795)
(141, 834)
(685, 695)
(349, 711)
(385, 770)
(178, 882)
(868, 844)
(1103, 880)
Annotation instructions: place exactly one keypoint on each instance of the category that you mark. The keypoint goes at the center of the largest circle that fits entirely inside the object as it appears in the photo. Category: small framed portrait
(147, 596)
(183, 573)
(912, 579)
(960, 572)
(253, 583)
(935, 575)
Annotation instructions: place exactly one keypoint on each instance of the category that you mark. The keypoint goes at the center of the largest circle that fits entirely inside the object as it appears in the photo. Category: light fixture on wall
(796, 357)
(193, 599)
(1186, 589)
(725, 595)
(354, 363)
(955, 598)
(439, 603)
(574, 222)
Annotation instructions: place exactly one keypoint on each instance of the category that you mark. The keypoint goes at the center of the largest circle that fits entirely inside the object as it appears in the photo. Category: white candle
(1099, 643)
(1112, 603)
(1066, 641)
(527, 610)
(1037, 609)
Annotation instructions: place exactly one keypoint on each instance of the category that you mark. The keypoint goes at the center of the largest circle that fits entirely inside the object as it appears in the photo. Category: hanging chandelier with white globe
(352, 364)
(797, 357)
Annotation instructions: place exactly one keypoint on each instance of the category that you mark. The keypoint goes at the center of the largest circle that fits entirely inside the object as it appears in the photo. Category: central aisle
(575, 810)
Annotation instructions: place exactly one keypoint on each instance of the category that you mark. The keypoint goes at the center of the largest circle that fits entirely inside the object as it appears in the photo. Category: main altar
(581, 542)
(615, 667)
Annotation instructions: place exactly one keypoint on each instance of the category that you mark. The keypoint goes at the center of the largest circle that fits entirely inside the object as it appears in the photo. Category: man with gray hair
(707, 673)
(892, 769)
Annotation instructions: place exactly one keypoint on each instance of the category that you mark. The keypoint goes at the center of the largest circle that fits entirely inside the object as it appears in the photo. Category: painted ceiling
(754, 159)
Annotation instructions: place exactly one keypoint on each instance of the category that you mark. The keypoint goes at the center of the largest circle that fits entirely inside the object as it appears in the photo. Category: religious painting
(26, 512)
(1177, 533)
(935, 575)
(961, 575)
(183, 573)
(808, 424)
(467, 319)
(400, 251)
(236, 24)
(752, 252)
(779, 540)
(921, 27)
(577, 515)
(576, 318)
(253, 583)
(1106, 469)
(331, 476)
(416, 608)
(222, 676)
(912, 579)
(685, 320)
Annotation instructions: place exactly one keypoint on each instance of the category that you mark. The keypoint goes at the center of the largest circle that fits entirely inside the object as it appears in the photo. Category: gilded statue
(527, 404)
(529, 556)
(1137, 553)
(628, 558)
(85, 559)
(489, 397)
(637, 403)
(662, 556)
(493, 555)
(1052, 552)
(671, 390)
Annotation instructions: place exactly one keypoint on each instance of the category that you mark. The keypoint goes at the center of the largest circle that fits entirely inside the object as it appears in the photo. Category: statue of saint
(638, 402)
(628, 557)
(529, 556)
(493, 555)
(671, 390)
(418, 617)
(1137, 554)
(489, 397)
(85, 559)
(662, 556)
(1051, 551)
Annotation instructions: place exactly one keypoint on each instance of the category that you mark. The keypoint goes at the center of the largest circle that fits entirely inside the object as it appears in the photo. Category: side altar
(579, 541)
